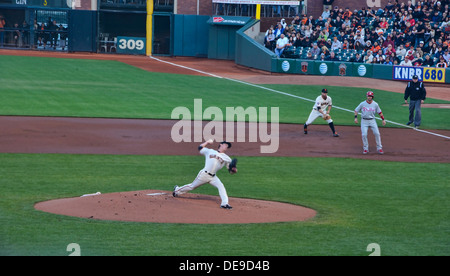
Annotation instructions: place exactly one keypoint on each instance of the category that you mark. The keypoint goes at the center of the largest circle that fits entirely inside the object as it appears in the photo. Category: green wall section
(190, 36)
(252, 54)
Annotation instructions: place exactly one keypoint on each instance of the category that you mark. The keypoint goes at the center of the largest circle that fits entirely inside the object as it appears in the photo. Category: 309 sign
(131, 45)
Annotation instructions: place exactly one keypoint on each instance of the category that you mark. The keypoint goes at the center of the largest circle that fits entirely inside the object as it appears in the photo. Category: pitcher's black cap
(228, 143)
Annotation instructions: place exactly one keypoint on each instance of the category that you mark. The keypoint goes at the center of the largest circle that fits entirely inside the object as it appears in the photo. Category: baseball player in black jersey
(416, 92)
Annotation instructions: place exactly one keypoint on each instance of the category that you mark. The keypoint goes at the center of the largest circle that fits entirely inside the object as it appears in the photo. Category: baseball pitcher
(214, 161)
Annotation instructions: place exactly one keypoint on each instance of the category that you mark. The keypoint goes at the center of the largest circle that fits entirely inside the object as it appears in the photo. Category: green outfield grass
(401, 206)
(396, 205)
(90, 88)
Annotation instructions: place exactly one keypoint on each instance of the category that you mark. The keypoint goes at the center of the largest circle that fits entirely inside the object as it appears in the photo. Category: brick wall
(83, 5)
(190, 7)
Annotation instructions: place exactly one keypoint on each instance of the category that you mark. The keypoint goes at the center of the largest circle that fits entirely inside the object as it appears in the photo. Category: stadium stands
(421, 30)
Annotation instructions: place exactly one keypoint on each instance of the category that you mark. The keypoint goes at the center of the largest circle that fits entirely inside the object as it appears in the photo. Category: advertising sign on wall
(427, 74)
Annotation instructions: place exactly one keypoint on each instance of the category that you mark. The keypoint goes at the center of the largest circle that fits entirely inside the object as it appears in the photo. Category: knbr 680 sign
(131, 45)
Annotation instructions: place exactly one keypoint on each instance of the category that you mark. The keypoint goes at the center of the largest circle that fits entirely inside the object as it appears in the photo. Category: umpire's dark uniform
(416, 92)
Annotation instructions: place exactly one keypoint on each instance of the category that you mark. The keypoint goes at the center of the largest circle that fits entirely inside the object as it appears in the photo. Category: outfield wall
(252, 54)
(349, 69)
(190, 35)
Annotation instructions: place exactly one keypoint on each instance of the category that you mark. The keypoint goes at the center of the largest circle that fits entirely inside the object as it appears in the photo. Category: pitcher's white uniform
(368, 111)
(214, 161)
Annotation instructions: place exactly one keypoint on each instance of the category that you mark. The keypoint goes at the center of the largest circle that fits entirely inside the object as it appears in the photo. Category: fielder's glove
(232, 167)
(326, 117)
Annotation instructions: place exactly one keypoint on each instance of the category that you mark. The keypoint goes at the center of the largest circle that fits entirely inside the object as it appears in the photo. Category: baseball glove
(232, 167)
(326, 117)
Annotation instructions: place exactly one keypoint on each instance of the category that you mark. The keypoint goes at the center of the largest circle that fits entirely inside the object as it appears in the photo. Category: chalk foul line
(289, 95)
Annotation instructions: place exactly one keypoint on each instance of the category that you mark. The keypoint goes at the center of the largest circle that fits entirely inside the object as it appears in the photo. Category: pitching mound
(161, 207)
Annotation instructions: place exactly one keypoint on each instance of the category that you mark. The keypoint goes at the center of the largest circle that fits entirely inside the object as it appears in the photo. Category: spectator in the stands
(306, 42)
(320, 22)
(446, 55)
(420, 33)
(406, 61)
(408, 24)
(357, 58)
(419, 50)
(400, 51)
(417, 60)
(332, 57)
(387, 61)
(315, 50)
(269, 40)
(337, 23)
(389, 50)
(25, 30)
(17, 36)
(2, 30)
(327, 4)
(326, 13)
(434, 51)
(369, 56)
(311, 20)
(379, 57)
(428, 62)
(281, 45)
(322, 57)
(358, 46)
(388, 41)
(336, 45)
(278, 30)
(308, 31)
(298, 40)
(296, 20)
(442, 63)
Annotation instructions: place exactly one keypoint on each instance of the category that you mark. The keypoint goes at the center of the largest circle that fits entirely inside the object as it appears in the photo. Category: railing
(250, 10)
(33, 39)
(124, 2)
(120, 3)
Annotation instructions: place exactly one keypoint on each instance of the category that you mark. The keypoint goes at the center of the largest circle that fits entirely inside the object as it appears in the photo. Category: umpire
(416, 93)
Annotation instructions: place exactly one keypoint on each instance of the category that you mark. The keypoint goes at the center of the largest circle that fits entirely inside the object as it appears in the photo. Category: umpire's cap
(324, 90)
(415, 77)
(369, 94)
(225, 142)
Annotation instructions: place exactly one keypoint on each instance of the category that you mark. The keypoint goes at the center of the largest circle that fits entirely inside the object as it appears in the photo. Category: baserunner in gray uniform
(368, 109)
